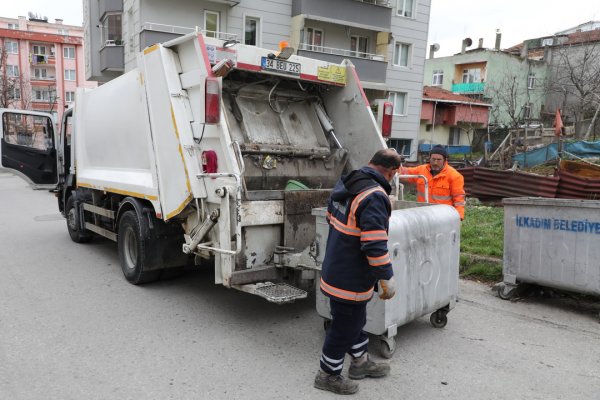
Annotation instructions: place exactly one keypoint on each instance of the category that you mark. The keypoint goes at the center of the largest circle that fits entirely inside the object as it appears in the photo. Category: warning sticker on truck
(333, 73)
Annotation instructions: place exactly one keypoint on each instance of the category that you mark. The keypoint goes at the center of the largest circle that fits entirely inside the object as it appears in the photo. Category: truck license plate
(280, 66)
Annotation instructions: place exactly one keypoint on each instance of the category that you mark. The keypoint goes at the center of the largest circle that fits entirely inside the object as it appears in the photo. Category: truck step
(279, 293)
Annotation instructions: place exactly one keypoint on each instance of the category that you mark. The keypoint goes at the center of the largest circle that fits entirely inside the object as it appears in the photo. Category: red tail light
(212, 106)
(386, 125)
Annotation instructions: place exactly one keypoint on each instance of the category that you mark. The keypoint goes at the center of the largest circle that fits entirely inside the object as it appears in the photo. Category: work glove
(387, 288)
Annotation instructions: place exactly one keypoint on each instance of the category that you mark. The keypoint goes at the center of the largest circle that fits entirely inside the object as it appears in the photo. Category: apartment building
(512, 83)
(42, 64)
(384, 39)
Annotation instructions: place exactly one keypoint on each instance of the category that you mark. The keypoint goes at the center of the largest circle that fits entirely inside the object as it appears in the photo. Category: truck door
(28, 147)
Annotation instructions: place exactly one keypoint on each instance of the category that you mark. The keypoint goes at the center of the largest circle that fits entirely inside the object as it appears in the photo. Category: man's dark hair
(387, 158)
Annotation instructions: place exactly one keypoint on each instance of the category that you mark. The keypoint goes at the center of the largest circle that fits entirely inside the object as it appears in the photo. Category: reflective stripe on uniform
(356, 202)
(331, 367)
(441, 198)
(379, 261)
(346, 294)
(357, 346)
(345, 229)
(459, 204)
(368, 236)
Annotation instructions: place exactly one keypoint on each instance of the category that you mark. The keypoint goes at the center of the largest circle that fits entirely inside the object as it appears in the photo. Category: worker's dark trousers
(345, 335)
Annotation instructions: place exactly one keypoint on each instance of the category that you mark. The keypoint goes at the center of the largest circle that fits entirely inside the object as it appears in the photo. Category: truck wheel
(132, 249)
(77, 233)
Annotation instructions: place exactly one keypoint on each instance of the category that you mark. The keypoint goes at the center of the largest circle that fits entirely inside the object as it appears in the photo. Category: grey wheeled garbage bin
(424, 244)
(553, 243)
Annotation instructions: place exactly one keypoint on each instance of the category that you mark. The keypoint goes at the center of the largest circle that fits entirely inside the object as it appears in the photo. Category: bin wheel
(506, 292)
(387, 347)
(438, 319)
(326, 324)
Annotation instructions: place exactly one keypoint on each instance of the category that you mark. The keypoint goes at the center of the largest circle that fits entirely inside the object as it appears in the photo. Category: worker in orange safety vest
(446, 185)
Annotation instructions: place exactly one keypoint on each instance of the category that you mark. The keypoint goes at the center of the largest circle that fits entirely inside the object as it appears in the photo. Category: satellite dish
(468, 42)
(436, 46)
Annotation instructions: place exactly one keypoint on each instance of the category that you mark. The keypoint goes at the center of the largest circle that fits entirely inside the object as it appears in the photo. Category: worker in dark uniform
(356, 260)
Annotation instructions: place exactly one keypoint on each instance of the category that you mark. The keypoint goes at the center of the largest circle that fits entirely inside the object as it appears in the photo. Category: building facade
(450, 119)
(515, 85)
(384, 39)
(42, 64)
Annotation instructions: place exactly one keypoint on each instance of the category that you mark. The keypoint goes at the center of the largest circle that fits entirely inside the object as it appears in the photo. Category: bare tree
(10, 84)
(511, 96)
(575, 79)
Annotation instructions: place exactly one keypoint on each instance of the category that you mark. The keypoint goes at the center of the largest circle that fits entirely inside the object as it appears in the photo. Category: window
(11, 47)
(69, 74)
(314, 39)
(111, 30)
(14, 93)
(454, 137)
(63, 32)
(438, 77)
(471, 75)
(402, 146)
(211, 23)
(527, 111)
(547, 42)
(405, 8)
(401, 54)
(398, 99)
(69, 97)
(40, 50)
(13, 26)
(28, 130)
(359, 46)
(45, 95)
(40, 73)
(252, 31)
(12, 71)
(69, 52)
(531, 80)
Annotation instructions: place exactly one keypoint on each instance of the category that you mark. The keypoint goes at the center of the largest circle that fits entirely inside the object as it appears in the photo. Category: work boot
(363, 367)
(335, 383)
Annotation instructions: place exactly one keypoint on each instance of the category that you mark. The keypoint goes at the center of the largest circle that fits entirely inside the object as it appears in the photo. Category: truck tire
(133, 244)
(77, 233)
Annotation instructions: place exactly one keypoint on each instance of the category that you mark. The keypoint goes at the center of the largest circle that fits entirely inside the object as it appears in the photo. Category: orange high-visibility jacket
(447, 187)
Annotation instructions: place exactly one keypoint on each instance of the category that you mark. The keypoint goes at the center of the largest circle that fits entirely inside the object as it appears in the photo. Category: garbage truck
(198, 154)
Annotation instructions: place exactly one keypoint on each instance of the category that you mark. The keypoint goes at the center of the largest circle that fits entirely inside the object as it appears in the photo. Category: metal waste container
(553, 243)
(424, 244)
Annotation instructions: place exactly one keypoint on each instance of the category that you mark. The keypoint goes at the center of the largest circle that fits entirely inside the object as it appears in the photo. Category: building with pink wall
(42, 64)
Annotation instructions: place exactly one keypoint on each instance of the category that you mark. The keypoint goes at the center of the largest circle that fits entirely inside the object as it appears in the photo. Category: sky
(450, 21)
(70, 11)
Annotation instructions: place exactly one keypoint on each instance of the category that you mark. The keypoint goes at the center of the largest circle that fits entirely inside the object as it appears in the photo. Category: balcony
(370, 67)
(475, 87)
(109, 6)
(153, 33)
(45, 81)
(375, 14)
(112, 56)
(42, 59)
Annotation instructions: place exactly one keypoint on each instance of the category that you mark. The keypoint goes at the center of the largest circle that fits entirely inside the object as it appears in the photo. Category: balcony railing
(182, 30)
(384, 3)
(474, 87)
(42, 59)
(340, 52)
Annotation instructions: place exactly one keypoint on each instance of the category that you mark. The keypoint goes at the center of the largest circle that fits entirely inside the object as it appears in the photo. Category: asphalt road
(71, 327)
